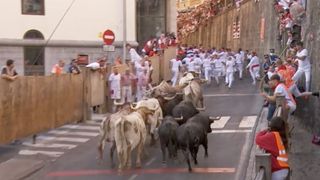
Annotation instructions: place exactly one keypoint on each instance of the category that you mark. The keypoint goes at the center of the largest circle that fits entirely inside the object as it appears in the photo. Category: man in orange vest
(271, 141)
(58, 68)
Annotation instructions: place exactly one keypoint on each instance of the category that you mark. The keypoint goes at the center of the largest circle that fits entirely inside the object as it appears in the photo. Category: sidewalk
(304, 157)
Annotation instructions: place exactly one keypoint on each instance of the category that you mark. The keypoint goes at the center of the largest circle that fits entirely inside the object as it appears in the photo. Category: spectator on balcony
(58, 69)
(271, 140)
(8, 72)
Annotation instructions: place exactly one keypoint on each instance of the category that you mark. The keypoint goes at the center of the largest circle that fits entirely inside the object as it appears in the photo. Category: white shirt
(175, 64)
(218, 63)
(207, 63)
(191, 66)
(115, 81)
(281, 90)
(239, 58)
(305, 65)
(134, 55)
(186, 60)
(93, 65)
(254, 62)
(230, 66)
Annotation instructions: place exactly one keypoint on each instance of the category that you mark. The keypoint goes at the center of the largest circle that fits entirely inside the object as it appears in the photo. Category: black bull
(192, 134)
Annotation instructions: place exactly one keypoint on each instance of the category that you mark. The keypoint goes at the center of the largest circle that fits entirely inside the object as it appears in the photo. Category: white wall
(85, 20)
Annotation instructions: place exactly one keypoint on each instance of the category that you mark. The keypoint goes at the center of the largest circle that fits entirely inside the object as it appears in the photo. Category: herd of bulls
(171, 113)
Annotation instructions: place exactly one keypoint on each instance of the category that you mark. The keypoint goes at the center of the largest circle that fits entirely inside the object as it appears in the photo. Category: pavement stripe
(81, 127)
(220, 123)
(47, 153)
(42, 145)
(96, 123)
(229, 95)
(248, 121)
(230, 131)
(69, 139)
(61, 132)
(141, 171)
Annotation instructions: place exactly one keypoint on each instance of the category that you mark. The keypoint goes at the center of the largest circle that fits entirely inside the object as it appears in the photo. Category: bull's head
(211, 120)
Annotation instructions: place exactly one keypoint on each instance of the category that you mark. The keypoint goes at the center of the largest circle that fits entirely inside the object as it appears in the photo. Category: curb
(243, 165)
(23, 168)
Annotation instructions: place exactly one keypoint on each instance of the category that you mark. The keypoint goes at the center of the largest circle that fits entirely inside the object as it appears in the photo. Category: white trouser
(140, 92)
(254, 72)
(240, 69)
(127, 94)
(229, 79)
(299, 73)
(207, 74)
(175, 75)
(280, 175)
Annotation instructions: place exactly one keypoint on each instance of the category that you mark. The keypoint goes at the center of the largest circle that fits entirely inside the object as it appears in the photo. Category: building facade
(38, 33)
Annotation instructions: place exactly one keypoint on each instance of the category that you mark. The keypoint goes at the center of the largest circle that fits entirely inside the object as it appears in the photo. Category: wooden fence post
(86, 94)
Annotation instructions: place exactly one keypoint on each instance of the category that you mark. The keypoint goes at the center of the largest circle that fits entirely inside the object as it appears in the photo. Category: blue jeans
(271, 109)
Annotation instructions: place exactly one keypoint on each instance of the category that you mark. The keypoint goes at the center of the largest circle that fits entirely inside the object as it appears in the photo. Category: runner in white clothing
(229, 71)
(207, 69)
(239, 63)
(175, 68)
(304, 66)
(254, 67)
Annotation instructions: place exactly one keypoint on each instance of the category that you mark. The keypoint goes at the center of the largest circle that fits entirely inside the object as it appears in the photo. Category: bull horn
(214, 118)
(179, 119)
(169, 98)
(118, 104)
(179, 93)
(201, 109)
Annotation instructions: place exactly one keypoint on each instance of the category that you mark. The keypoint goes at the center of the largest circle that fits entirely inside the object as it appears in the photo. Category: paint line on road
(220, 123)
(230, 131)
(133, 177)
(248, 122)
(97, 123)
(81, 173)
(46, 153)
(150, 162)
(61, 132)
(69, 139)
(94, 128)
(231, 95)
(42, 145)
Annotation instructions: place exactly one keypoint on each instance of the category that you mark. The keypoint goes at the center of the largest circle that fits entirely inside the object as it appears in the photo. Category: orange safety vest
(283, 156)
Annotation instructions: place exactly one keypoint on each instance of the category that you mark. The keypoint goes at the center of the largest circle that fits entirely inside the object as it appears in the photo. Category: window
(32, 7)
(34, 55)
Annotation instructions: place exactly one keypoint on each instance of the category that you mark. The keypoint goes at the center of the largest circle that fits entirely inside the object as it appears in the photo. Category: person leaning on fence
(58, 68)
(8, 72)
(280, 90)
(271, 140)
(74, 68)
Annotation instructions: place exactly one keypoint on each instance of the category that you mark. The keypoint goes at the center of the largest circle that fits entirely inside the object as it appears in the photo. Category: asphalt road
(238, 107)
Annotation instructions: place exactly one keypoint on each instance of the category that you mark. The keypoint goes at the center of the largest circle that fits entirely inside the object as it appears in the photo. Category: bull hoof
(138, 166)
(164, 162)
(190, 170)
(206, 155)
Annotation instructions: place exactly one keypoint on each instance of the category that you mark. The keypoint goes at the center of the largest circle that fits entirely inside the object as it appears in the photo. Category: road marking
(226, 95)
(93, 123)
(42, 145)
(248, 121)
(69, 139)
(81, 127)
(141, 171)
(150, 162)
(47, 153)
(61, 132)
(133, 177)
(220, 123)
(230, 131)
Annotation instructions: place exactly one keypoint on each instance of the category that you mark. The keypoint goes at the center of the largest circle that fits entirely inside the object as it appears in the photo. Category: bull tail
(121, 143)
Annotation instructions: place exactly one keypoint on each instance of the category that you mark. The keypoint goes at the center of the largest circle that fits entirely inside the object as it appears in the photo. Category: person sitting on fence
(115, 85)
(58, 69)
(271, 140)
(74, 68)
(126, 83)
(8, 72)
(280, 90)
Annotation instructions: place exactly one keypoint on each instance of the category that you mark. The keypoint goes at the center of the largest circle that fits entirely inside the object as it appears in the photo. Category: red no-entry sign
(108, 37)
